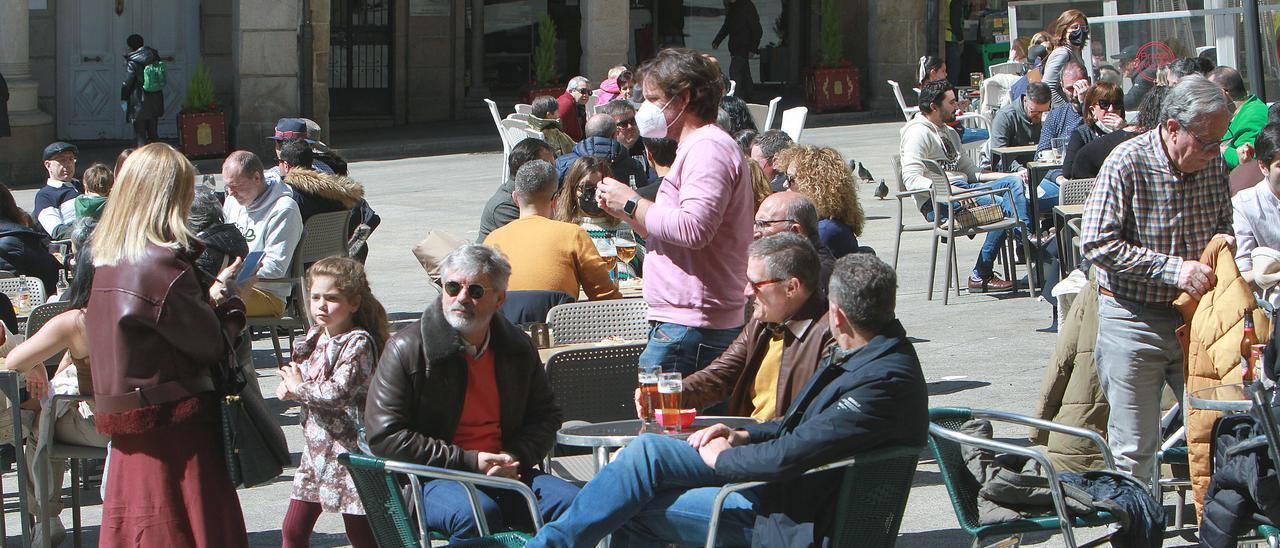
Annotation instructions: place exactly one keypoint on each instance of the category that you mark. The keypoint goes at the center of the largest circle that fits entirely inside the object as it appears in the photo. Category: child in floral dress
(329, 376)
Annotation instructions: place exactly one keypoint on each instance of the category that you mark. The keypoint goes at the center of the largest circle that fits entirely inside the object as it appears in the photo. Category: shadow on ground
(941, 388)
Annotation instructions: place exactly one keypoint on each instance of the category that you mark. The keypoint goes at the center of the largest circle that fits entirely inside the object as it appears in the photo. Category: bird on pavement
(882, 190)
(864, 174)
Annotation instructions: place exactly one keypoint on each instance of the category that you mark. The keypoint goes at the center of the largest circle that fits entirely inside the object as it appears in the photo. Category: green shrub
(200, 97)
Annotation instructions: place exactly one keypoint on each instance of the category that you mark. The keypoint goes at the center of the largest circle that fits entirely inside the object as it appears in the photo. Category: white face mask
(650, 121)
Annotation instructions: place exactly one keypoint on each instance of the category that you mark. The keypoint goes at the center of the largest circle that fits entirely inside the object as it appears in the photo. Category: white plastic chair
(907, 112)
(591, 103)
(793, 122)
(977, 150)
(1009, 67)
(995, 93)
(758, 115)
(773, 111)
(516, 131)
(524, 108)
(733, 86)
(502, 134)
(519, 116)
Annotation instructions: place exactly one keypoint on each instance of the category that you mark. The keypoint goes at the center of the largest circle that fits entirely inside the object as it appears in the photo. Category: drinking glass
(648, 391)
(670, 387)
(609, 252)
(624, 241)
(975, 79)
(1059, 145)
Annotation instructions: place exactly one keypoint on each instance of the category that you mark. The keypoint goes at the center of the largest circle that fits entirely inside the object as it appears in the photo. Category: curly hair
(760, 186)
(821, 174)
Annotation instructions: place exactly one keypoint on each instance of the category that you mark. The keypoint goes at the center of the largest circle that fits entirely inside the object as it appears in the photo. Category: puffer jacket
(1211, 339)
(1070, 392)
(624, 166)
(317, 192)
(1244, 487)
(143, 105)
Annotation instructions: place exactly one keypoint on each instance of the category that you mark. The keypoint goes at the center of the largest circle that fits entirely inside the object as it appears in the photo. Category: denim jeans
(991, 246)
(657, 492)
(972, 134)
(1048, 191)
(675, 347)
(448, 510)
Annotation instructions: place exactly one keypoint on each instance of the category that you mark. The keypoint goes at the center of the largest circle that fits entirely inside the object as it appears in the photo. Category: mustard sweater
(552, 255)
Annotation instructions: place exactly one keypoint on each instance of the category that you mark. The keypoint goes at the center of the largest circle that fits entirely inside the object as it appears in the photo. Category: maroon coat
(569, 121)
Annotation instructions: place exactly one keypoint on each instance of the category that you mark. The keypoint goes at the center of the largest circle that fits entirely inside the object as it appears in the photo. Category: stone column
(894, 46)
(603, 22)
(478, 89)
(32, 129)
(264, 52)
(317, 78)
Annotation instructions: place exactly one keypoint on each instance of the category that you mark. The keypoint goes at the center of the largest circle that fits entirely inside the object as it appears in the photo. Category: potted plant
(545, 80)
(834, 83)
(202, 124)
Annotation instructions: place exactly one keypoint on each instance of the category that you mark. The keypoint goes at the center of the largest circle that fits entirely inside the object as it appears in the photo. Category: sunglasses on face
(1108, 105)
(584, 91)
(755, 286)
(475, 291)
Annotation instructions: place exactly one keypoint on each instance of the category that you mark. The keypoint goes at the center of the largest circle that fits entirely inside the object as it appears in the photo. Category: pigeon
(882, 190)
(864, 174)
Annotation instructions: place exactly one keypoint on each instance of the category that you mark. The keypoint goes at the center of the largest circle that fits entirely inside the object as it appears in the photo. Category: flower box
(202, 134)
(828, 89)
(556, 91)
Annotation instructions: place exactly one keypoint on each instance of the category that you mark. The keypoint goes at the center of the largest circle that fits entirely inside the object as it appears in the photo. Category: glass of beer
(670, 386)
(975, 79)
(624, 241)
(648, 391)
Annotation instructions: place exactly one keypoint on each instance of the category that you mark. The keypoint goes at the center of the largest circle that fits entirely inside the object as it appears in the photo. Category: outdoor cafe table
(631, 288)
(1228, 398)
(546, 353)
(602, 436)
(1003, 156)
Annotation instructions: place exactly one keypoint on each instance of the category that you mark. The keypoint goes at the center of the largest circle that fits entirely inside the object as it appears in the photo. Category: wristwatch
(630, 207)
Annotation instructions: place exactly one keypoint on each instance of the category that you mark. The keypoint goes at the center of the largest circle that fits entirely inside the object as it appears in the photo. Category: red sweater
(569, 116)
(480, 427)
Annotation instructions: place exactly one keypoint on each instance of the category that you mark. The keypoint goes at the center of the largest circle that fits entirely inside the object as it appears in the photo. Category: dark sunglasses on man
(475, 291)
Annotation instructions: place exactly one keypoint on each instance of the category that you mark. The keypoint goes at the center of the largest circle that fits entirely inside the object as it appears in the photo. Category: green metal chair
(873, 495)
(963, 488)
(389, 517)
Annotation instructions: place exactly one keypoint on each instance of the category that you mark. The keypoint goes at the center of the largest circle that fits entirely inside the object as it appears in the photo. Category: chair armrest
(905, 193)
(1024, 420)
(469, 480)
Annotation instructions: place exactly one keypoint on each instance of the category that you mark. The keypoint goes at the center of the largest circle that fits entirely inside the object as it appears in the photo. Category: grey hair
(247, 163)
(788, 255)
(535, 179)
(601, 125)
(1192, 99)
(801, 210)
(206, 210)
(477, 259)
(617, 108)
(865, 289)
(577, 81)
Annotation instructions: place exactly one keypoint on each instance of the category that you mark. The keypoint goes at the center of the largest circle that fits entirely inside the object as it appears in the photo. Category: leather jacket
(732, 375)
(152, 333)
(415, 398)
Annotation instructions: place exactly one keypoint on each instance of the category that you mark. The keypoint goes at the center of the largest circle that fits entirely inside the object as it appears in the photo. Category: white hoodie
(273, 225)
(922, 140)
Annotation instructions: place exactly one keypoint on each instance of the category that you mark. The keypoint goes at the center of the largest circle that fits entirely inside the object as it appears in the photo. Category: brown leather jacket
(733, 373)
(152, 333)
(415, 398)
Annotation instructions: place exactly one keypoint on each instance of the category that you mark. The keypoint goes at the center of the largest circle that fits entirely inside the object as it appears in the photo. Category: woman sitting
(24, 250)
(577, 204)
(1103, 114)
(821, 174)
(615, 88)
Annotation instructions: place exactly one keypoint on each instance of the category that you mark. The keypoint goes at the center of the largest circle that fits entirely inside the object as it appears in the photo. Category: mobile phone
(250, 267)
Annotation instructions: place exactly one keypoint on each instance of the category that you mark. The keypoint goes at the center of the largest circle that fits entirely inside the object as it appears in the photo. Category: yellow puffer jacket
(1211, 338)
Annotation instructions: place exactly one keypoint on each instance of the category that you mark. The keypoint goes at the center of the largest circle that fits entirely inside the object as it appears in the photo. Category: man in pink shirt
(700, 224)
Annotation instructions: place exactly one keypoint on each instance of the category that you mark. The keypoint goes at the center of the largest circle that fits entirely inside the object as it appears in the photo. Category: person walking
(155, 336)
(142, 93)
(329, 375)
(742, 27)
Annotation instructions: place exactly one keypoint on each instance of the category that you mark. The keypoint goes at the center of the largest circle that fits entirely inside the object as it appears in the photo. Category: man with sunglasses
(462, 388)
(1157, 202)
(575, 95)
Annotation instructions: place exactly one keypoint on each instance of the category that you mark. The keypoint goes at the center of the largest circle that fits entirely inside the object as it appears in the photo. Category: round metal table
(1228, 398)
(602, 436)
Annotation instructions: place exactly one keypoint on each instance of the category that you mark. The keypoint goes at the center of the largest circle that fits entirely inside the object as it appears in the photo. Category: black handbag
(253, 443)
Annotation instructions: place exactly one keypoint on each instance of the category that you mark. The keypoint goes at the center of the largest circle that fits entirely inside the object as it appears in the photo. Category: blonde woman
(821, 174)
(155, 337)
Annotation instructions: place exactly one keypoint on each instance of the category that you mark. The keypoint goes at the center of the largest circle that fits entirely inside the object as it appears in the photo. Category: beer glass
(975, 79)
(670, 387)
(649, 391)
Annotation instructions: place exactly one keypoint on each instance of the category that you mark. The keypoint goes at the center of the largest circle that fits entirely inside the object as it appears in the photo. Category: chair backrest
(595, 384)
(530, 306)
(902, 103)
(995, 92)
(758, 115)
(380, 494)
(515, 130)
(42, 314)
(773, 112)
(523, 117)
(873, 497)
(961, 485)
(497, 124)
(524, 108)
(1008, 67)
(13, 287)
(592, 321)
(324, 235)
(793, 122)
(1075, 191)
(896, 162)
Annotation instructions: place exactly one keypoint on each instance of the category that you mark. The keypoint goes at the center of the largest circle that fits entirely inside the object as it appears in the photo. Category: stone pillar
(32, 129)
(894, 46)
(264, 52)
(317, 77)
(603, 21)
(478, 89)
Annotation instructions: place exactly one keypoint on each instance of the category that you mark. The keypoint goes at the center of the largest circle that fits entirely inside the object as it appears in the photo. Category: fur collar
(343, 190)
(441, 341)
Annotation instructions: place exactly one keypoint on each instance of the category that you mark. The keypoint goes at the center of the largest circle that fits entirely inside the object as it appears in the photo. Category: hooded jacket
(560, 141)
(922, 140)
(273, 225)
(624, 166)
(142, 105)
(1070, 392)
(317, 192)
(1211, 339)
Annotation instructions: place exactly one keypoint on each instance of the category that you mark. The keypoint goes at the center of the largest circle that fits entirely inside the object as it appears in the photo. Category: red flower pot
(203, 134)
(828, 89)
(534, 92)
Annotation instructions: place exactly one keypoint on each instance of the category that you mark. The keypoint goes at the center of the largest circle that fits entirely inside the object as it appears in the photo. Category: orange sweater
(552, 255)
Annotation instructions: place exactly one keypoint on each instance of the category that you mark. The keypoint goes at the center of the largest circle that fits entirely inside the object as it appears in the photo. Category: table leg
(602, 457)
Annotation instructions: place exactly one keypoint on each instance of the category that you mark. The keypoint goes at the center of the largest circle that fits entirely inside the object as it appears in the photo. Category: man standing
(1250, 114)
(271, 223)
(575, 94)
(765, 148)
(868, 393)
(1157, 202)
(1017, 123)
(699, 227)
(142, 93)
(55, 207)
(742, 27)
(462, 388)
(792, 211)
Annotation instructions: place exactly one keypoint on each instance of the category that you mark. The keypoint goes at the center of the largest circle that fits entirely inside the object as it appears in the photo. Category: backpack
(153, 76)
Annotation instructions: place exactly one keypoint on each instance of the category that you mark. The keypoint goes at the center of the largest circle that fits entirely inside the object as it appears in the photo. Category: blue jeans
(657, 492)
(675, 347)
(1049, 191)
(991, 246)
(448, 510)
(971, 134)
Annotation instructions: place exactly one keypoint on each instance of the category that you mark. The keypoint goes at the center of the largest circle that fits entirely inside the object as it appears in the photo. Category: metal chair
(946, 440)
(1074, 191)
(904, 195)
(907, 112)
(324, 235)
(793, 122)
(595, 384)
(873, 495)
(14, 287)
(10, 383)
(41, 315)
(389, 517)
(592, 321)
(1173, 451)
(64, 451)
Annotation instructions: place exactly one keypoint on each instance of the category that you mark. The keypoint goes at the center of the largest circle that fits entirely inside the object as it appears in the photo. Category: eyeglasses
(475, 291)
(765, 223)
(1206, 145)
(583, 91)
(755, 286)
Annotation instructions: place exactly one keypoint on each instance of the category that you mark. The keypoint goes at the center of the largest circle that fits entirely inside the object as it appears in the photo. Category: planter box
(203, 134)
(833, 89)
(534, 92)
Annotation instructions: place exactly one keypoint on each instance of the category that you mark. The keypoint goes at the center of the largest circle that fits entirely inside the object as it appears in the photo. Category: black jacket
(25, 251)
(1243, 487)
(4, 107)
(142, 105)
(624, 166)
(742, 26)
(415, 398)
(870, 398)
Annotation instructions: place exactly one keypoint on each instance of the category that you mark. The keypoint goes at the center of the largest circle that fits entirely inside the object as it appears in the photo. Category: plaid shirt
(1144, 218)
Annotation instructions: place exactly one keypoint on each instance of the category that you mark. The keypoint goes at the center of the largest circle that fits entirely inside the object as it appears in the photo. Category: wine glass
(625, 245)
(609, 252)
